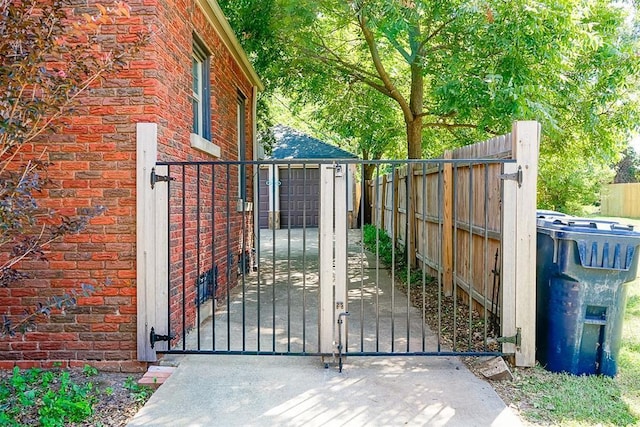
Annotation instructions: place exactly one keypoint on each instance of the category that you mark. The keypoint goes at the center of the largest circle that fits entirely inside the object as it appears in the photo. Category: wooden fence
(449, 215)
(621, 200)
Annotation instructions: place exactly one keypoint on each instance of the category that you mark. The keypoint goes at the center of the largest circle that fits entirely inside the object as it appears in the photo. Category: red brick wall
(227, 79)
(93, 163)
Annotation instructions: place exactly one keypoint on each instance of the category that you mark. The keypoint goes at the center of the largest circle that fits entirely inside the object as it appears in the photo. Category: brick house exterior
(194, 84)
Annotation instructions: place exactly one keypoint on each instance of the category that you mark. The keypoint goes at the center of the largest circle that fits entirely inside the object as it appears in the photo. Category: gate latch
(154, 338)
(159, 178)
(516, 176)
(515, 339)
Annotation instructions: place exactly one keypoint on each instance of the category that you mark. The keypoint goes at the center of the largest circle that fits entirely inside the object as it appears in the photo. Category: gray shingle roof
(293, 144)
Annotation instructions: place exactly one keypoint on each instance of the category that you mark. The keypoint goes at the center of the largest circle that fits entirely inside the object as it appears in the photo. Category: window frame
(200, 90)
(241, 120)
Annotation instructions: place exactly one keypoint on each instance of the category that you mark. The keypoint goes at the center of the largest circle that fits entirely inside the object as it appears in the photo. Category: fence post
(340, 210)
(447, 225)
(519, 244)
(151, 243)
(326, 259)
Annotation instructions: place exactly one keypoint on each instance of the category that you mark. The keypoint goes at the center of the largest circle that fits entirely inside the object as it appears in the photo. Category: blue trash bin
(582, 268)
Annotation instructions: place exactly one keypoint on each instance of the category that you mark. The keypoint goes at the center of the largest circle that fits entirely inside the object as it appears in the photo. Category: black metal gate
(422, 263)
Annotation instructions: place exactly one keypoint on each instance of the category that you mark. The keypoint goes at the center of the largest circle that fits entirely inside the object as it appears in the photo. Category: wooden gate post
(341, 206)
(151, 243)
(333, 283)
(325, 225)
(518, 273)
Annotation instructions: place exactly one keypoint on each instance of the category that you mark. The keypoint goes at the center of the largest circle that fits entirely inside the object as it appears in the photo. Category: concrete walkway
(222, 390)
(298, 391)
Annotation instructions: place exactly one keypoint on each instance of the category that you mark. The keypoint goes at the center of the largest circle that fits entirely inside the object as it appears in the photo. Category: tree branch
(336, 59)
(407, 57)
(349, 69)
(382, 73)
(435, 33)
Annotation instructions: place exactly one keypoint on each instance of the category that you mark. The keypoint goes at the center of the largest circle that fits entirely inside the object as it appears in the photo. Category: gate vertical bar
(227, 252)
(184, 259)
(326, 260)
(442, 236)
(425, 254)
(363, 198)
(244, 258)
(304, 258)
(394, 236)
(455, 255)
(290, 189)
(485, 250)
(409, 231)
(258, 246)
(276, 200)
(213, 255)
(446, 195)
(470, 260)
(380, 200)
(197, 242)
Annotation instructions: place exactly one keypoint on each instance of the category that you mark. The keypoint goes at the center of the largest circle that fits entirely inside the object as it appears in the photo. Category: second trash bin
(582, 269)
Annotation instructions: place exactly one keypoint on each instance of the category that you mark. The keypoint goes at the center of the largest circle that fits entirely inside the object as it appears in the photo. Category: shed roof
(293, 144)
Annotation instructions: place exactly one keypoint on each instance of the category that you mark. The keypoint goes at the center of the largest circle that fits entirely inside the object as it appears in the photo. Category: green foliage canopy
(454, 72)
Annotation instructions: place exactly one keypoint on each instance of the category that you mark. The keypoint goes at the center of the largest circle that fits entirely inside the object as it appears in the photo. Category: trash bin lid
(573, 224)
(544, 213)
(601, 244)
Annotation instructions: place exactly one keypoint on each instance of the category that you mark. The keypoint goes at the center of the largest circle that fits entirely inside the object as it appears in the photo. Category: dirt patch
(117, 398)
(460, 329)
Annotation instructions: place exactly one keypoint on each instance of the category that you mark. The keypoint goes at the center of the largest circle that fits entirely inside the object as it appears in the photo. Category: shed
(289, 194)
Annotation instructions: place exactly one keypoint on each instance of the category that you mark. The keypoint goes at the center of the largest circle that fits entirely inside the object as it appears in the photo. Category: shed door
(263, 202)
(299, 197)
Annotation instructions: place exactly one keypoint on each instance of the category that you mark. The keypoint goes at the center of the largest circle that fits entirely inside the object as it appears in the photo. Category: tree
(48, 58)
(458, 72)
(627, 169)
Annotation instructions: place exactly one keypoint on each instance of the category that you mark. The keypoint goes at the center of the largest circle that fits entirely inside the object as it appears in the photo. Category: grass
(546, 398)
(568, 400)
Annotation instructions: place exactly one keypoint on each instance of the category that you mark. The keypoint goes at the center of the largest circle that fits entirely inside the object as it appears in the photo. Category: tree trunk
(414, 124)
(414, 139)
(366, 211)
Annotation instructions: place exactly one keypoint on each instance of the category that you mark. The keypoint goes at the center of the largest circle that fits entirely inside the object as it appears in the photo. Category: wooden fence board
(622, 200)
(456, 223)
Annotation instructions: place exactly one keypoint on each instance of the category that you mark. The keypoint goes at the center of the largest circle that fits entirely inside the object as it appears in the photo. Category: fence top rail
(339, 162)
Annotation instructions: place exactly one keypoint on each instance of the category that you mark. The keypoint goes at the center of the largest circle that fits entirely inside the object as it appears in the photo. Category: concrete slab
(280, 314)
(296, 391)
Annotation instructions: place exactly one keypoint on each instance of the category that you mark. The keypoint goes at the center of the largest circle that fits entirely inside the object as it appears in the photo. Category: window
(242, 148)
(201, 92)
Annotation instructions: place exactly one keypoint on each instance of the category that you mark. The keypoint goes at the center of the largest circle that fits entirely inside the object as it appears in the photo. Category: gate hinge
(154, 338)
(516, 176)
(158, 178)
(515, 339)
